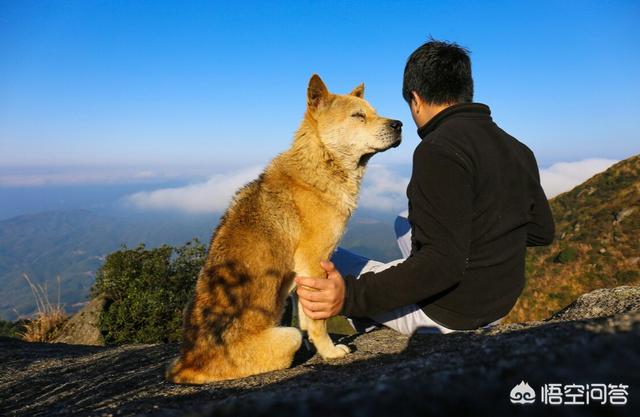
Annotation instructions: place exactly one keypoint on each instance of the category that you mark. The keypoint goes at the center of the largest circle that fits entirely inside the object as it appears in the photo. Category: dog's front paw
(337, 351)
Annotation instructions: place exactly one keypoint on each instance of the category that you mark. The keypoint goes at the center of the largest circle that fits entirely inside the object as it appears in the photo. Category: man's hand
(321, 298)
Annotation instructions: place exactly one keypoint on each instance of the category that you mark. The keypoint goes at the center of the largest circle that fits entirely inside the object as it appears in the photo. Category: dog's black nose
(395, 125)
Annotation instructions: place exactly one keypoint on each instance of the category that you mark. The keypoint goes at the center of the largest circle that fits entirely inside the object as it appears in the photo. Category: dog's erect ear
(317, 92)
(358, 91)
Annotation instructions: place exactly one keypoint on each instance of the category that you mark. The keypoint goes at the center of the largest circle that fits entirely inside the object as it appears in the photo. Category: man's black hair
(440, 73)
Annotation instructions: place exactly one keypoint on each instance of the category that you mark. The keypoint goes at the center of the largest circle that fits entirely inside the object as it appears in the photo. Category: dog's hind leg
(269, 350)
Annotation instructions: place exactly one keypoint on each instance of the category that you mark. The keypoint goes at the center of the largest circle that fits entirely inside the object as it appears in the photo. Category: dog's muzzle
(396, 125)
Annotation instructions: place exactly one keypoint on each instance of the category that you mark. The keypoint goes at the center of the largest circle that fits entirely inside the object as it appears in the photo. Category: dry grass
(553, 286)
(48, 318)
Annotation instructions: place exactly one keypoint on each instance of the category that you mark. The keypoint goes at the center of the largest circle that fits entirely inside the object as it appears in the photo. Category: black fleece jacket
(475, 204)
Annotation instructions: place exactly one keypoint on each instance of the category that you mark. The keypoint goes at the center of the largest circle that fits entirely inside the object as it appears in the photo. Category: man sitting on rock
(475, 204)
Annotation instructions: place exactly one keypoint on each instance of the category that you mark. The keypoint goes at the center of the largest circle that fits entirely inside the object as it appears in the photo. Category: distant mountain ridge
(70, 244)
(597, 243)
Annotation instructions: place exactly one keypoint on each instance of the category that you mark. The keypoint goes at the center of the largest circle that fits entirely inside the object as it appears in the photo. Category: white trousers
(407, 319)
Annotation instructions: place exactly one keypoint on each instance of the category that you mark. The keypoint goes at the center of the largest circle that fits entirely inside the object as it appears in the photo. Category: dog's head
(348, 125)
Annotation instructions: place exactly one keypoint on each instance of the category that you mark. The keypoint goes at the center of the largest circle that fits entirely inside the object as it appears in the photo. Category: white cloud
(383, 189)
(212, 195)
(564, 176)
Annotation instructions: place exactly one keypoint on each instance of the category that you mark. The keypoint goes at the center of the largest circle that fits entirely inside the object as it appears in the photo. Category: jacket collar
(474, 108)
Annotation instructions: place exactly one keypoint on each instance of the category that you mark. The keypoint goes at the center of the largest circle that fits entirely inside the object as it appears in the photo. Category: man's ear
(358, 91)
(417, 101)
(316, 92)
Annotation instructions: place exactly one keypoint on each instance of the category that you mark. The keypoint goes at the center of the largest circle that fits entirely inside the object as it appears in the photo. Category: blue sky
(204, 86)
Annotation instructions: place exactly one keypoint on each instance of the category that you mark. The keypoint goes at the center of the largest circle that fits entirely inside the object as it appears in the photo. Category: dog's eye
(359, 114)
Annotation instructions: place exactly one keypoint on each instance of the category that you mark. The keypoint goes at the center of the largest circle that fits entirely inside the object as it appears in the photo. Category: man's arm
(441, 210)
(541, 227)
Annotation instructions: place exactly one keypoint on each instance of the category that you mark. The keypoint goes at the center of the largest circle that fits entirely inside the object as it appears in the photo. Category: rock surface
(595, 340)
(599, 303)
(82, 327)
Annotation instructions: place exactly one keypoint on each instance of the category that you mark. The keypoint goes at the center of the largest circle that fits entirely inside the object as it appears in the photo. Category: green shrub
(566, 255)
(146, 291)
(626, 277)
(10, 328)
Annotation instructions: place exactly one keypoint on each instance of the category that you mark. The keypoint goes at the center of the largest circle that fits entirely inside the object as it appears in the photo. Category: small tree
(146, 291)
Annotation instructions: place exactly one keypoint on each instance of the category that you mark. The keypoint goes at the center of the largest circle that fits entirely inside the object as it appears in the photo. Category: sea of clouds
(382, 189)
(564, 176)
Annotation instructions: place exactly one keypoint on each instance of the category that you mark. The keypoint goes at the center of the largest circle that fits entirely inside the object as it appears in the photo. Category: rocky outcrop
(82, 327)
(595, 340)
(600, 303)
